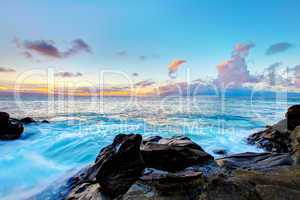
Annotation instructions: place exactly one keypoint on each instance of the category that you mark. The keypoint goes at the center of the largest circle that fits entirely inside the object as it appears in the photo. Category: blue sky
(202, 32)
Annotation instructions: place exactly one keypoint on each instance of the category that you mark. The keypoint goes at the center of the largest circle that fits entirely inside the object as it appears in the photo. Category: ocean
(80, 126)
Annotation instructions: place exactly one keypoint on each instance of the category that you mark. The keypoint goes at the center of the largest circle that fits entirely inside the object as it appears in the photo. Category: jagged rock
(293, 117)
(27, 120)
(117, 174)
(275, 138)
(119, 165)
(86, 191)
(10, 129)
(255, 161)
(220, 151)
(173, 154)
(295, 140)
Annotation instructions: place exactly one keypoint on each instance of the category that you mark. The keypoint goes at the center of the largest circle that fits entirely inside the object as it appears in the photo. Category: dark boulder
(275, 138)
(119, 165)
(12, 131)
(293, 117)
(4, 119)
(27, 120)
(173, 154)
(45, 122)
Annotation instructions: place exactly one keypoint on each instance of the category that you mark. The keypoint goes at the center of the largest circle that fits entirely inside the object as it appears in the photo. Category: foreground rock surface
(279, 183)
(255, 161)
(10, 129)
(119, 167)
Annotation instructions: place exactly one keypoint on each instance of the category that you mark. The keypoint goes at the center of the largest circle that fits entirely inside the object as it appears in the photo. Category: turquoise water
(80, 127)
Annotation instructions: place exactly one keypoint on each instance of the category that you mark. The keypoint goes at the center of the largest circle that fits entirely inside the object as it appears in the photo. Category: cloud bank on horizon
(233, 73)
(3, 69)
(68, 74)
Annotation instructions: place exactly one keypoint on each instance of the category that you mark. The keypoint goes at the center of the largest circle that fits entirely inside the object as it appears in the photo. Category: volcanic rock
(10, 129)
(27, 120)
(119, 165)
(173, 154)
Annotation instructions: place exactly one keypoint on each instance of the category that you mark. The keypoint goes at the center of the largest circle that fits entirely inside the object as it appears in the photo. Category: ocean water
(81, 126)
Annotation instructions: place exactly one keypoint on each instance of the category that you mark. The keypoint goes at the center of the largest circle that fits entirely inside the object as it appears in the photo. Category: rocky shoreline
(133, 167)
(174, 168)
(11, 128)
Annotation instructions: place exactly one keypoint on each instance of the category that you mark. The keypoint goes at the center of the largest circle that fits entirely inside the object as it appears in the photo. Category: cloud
(135, 74)
(122, 53)
(242, 49)
(27, 54)
(295, 76)
(49, 49)
(142, 58)
(174, 66)
(235, 71)
(278, 48)
(274, 66)
(68, 74)
(2, 69)
(144, 83)
(78, 45)
(272, 76)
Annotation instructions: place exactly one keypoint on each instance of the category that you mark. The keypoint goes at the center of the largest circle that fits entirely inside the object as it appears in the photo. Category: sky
(224, 42)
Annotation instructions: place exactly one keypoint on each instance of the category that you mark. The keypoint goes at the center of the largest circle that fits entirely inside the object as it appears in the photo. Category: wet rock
(221, 187)
(86, 191)
(275, 184)
(173, 154)
(275, 138)
(293, 117)
(4, 119)
(220, 151)
(255, 161)
(119, 165)
(295, 140)
(27, 120)
(45, 122)
(10, 129)
(156, 184)
(167, 182)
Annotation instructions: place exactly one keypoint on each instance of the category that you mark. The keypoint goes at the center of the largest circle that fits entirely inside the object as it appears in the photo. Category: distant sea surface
(79, 127)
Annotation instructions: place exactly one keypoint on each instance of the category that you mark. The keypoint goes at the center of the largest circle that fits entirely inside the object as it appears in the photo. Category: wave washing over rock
(191, 166)
(177, 168)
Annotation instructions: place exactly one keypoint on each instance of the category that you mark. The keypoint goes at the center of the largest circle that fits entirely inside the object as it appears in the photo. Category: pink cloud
(234, 72)
(174, 66)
